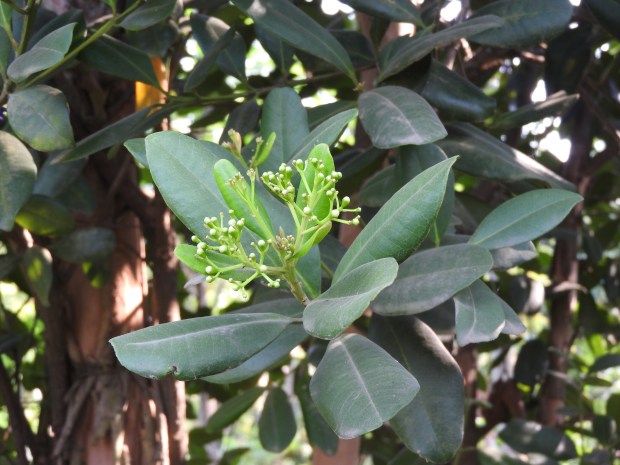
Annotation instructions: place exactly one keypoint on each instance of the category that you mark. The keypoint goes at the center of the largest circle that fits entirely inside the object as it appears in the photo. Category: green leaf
(208, 31)
(242, 119)
(321, 113)
(116, 133)
(5, 52)
(532, 363)
(513, 324)
(39, 115)
(328, 132)
(6, 17)
(318, 431)
(401, 225)
(257, 221)
(152, 12)
(232, 409)
(428, 278)
(203, 67)
(604, 362)
(276, 426)
(37, 264)
(530, 437)
(187, 255)
(392, 10)
(455, 96)
(54, 179)
(524, 217)
(483, 155)
(45, 216)
(394, 116)
(407, 51)
(8, 262)
(479, 314)
(137, 149)
(555, 105)
(607, 13)
(85, 245)
(47, 52)
(431, 424)
(380, 187)
(279, 51)
(358, 386)
(507, 257)
(337, 308)
(283, 114)
(284, 20)
(17, 177)
(111, 56)
(197, 347)
(527, 22)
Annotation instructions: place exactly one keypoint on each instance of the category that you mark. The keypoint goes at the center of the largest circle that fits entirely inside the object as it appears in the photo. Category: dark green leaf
(479, 314)
(152, 12)
(455, 96)
(85, 245)
(483, 155)
(284, 20)
(527, 22)
(5, 51)
(513, 324)
(242, 119)
(230, 56)
(39, 115)
(17, 178)
(277, 426)
(321, 113)
(604, 362)
(608, 14)
(283, 114)
(53, 179)
(279, 51)
(337, 308)
(6, 15)
(392, 10)
(8, 262)
(507, 257)
(50, 50)
(232, 409)
(115, 133)
(37, 263)
(530, 437)
(137, 149)
(358, 386)
(327, 132)
(380, 187)
(402, 223)
(532, 363)
(428, 278)
(45, 216)
(395, 116)
(409, 50)
(203, 67)
(555, 104)
(79, 197)
(197, 347)
(111, 56)
(432, 424)
(524, 218)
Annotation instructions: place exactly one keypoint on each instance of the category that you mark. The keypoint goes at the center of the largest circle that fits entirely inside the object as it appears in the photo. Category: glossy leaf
(47, 52)
(39, 115)
(276, 426)
(327, 132)
(507, 257)
(483, 155)
(111, 56)
(527, 22)
(407, 51)
(152, 12)
(203, 67)
(394, 116)
(479, 314)
(283, 114)
(402, 223)
(432, 424)
(242, 119)
(37, 264)
(524, 218)
(231, 55)
(115, 133)
(85, 245)
(554, 105)
(392, 10)
(289, 23)
(321, 113)
(336, 309)
(358, 386)
(17, 178)
(455, 96)
(430, 277)
(232, 409)
(279, 51)
(197, 347)
(513, 324)
(531, 437)
(45, 216)
(137, 148)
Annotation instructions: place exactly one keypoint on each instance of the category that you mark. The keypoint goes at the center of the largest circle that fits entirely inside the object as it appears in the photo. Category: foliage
(451, 197)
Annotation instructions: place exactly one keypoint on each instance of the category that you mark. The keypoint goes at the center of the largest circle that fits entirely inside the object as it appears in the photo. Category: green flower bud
(223, 249)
